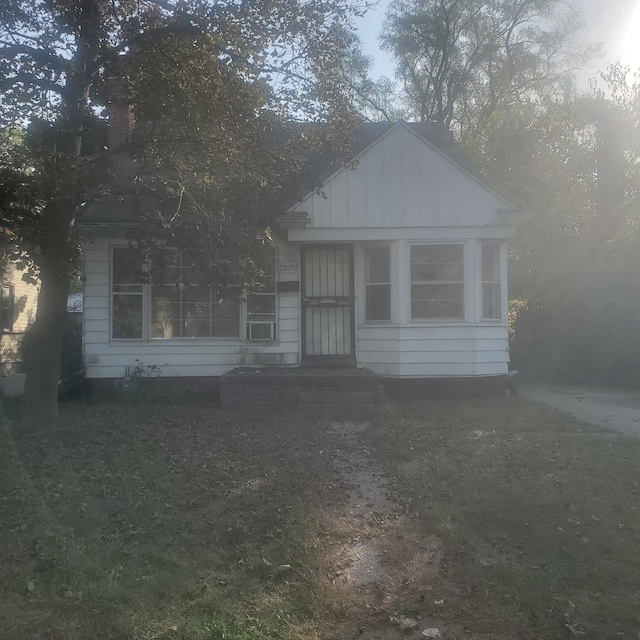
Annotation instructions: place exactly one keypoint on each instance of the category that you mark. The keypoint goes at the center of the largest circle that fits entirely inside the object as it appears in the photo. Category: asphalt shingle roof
(127, 200)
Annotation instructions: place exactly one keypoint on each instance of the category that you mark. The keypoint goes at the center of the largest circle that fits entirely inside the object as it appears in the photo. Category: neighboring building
(397, 262)
(17, 312)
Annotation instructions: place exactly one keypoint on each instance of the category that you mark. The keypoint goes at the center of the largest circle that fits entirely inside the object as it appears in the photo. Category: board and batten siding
(181, 357)
(401, 181)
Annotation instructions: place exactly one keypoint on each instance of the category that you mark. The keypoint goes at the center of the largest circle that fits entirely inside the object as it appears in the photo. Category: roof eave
(295, 220)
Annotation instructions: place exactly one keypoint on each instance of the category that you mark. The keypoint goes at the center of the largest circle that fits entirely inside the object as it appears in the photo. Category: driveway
(613, 409)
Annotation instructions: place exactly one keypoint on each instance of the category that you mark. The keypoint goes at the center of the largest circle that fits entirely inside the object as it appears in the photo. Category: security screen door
(327, 305)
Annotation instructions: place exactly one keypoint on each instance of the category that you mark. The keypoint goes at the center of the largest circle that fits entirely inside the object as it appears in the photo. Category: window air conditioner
(261, 330)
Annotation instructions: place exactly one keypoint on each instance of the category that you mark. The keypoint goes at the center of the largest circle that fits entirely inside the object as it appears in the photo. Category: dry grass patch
(538, 515)
(160, 522)
(509, 520)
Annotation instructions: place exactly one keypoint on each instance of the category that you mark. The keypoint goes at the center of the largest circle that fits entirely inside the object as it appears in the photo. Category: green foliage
(374, 100)
(211, 83)
(461, 61)
(572, 166)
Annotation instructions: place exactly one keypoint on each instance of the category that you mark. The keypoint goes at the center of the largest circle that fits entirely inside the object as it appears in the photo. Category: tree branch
(29, 79)
(52, 61)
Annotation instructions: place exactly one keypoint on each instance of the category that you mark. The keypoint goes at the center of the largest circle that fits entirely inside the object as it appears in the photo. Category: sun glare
(629, 51)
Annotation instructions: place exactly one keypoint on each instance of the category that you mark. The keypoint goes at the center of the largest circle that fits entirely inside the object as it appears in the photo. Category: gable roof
(127, 201)
(322, 165)
(435, 133)
(399, 176)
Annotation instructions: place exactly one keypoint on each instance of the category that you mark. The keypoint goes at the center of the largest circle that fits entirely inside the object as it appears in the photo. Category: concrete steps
(332, 404)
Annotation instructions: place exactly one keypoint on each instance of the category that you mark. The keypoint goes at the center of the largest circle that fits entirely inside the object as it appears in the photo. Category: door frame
(346, 360)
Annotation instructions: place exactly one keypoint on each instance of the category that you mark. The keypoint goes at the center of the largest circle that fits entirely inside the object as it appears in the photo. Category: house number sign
(289, 267)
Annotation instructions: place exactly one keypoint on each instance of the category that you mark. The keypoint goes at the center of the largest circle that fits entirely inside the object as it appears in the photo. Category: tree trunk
(43, 351)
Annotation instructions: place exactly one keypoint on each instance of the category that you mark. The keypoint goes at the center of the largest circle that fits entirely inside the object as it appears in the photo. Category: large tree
(210, 80)
(570, 161)
(461, 60)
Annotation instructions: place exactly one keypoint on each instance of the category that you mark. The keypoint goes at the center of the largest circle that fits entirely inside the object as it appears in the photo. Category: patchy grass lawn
(141, 522)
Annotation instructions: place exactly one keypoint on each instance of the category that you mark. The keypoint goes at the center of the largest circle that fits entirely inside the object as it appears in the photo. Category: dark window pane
(378, 302)
(6, 310)
(196, 311)
(490, 263)
(226, 310)
(428, 292)
(437, 271)
(437, 301)
(437, 262)
(491, 301)
(127, 317)
(260, 304)
(437, 309)
(200, 328)
(378, 264)
(224, 328)
(195, 294)
(127, 266)
(163, 295)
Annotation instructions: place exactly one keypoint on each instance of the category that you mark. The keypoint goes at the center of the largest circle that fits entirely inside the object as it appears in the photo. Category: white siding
(402, 181)
(406, 349)
(437, 351)
(105, 358)
(401, 190)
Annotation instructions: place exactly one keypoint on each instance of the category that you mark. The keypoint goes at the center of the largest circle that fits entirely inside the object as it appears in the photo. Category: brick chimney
(120, 112)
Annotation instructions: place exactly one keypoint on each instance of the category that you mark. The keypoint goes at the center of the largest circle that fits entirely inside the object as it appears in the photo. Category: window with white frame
(491, 300)
(378, 283)
(127, 294)
(177, 305)
(261, 310)
(6, 307)
(182, 307)
(437, 281)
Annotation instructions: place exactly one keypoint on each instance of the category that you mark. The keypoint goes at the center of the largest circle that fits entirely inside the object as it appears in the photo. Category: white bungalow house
(396, 263)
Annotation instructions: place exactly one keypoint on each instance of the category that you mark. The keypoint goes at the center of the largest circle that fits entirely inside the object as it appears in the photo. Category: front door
(327, 305)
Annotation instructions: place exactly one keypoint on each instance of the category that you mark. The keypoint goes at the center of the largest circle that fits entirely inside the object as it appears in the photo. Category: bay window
(437, 281)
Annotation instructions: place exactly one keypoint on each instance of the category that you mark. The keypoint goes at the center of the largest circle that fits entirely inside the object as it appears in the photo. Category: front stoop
(331, 404)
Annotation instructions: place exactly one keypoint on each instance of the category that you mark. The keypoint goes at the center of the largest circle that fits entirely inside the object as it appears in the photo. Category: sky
(615, 23)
